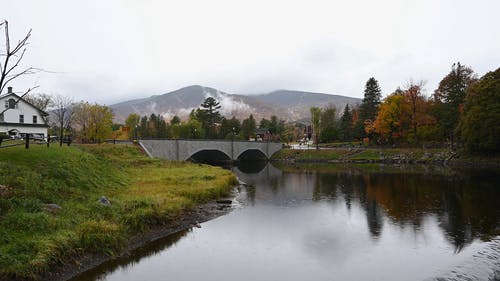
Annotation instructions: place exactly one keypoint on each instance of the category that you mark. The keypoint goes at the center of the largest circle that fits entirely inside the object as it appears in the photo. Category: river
(334, 222)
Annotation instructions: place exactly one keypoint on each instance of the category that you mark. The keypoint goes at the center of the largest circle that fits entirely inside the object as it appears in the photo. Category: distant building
(263, 134)
(19, 117)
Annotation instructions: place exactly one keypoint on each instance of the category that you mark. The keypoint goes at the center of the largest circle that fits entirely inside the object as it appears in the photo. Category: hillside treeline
(462, 112)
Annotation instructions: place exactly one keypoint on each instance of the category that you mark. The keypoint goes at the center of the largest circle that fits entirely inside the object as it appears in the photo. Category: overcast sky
(110, 51)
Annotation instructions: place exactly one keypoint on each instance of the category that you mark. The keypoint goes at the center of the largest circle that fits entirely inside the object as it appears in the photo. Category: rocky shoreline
(384, 156)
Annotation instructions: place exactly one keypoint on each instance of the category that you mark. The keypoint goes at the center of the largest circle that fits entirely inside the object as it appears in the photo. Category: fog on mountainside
(287, 105)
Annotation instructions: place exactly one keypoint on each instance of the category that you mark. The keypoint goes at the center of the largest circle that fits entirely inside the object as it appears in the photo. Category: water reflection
(465, 201)
(348, 222)
(125, 263)
(252, 167)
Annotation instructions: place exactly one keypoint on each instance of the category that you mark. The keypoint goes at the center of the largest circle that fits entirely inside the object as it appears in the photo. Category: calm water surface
(336, 223)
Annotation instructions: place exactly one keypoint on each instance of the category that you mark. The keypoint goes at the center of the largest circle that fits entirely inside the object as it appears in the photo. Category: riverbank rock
(104, 201)
(51, 208)
(224, 201)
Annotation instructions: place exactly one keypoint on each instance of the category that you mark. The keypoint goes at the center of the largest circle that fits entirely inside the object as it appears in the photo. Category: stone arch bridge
(184, 149)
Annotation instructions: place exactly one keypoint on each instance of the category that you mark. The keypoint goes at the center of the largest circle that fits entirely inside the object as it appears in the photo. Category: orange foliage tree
(417, 112)
(404, 116)
(390, 122)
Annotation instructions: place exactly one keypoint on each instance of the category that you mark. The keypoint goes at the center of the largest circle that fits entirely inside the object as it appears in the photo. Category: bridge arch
(252, 154)
(178, 149)
(209, 156)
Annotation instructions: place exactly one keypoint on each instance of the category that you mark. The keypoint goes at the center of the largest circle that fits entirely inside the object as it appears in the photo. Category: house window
(34, 119)
(12, 103)
(21, 118)
(1, 117)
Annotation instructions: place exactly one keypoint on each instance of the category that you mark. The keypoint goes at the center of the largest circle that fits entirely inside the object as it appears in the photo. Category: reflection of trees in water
(135, 256)
(471, 208)
(253, 172)
(325, 186)
(350, 187)
(251, 194)
(374, 218)
(467, 207)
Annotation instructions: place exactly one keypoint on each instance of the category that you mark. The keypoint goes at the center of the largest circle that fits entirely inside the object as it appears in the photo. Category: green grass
(144, 193)
(372, 168)
(369, 154)
(362, 154)
(309, 154)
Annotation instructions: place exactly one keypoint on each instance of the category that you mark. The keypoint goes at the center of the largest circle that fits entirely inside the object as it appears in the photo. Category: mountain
(298, 103)
(288, 105)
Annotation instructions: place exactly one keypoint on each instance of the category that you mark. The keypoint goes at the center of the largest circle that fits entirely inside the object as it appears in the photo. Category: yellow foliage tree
(95, 121)
(391, 122)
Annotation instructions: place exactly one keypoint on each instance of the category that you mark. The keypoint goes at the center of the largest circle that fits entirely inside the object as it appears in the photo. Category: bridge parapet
(179, 149)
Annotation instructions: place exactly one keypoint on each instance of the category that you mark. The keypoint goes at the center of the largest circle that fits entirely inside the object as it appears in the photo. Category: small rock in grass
(104, 201)
(52, 207)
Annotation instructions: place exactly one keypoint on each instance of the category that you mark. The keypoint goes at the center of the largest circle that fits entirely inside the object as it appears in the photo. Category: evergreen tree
(143, 128)
(275, 126)
(449, 98)
(371, 101)
(162, 129)
(345, 126)
(230, 128)
(209, 115)
(264, 123)
(248, 127)
(479, 125)
(175, 120)
(153, 126)
(368, 108)
(358, 130)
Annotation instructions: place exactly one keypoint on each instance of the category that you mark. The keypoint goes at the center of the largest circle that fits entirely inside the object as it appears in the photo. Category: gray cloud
(130, 49)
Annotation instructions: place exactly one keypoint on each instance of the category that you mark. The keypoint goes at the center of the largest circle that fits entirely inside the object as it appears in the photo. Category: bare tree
(40, 100)
(63, 113)
(11, 57)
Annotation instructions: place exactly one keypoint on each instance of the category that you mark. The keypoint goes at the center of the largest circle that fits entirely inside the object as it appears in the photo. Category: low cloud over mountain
(287, 105)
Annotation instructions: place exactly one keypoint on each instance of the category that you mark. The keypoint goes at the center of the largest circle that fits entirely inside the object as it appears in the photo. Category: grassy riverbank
(383, 155)
(144, 193)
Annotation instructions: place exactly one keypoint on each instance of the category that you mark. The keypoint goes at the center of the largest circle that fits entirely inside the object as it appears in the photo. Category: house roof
(43, 113)
(261, 131)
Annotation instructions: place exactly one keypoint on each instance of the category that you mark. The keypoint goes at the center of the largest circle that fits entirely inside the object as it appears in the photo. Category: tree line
(81, 121)
(204, 122)
(463, 111)
(85, 122)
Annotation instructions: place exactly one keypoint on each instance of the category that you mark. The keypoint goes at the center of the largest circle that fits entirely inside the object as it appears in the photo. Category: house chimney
(9, 90)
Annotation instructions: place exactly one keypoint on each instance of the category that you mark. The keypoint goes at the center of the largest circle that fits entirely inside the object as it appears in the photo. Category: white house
(19, 117)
